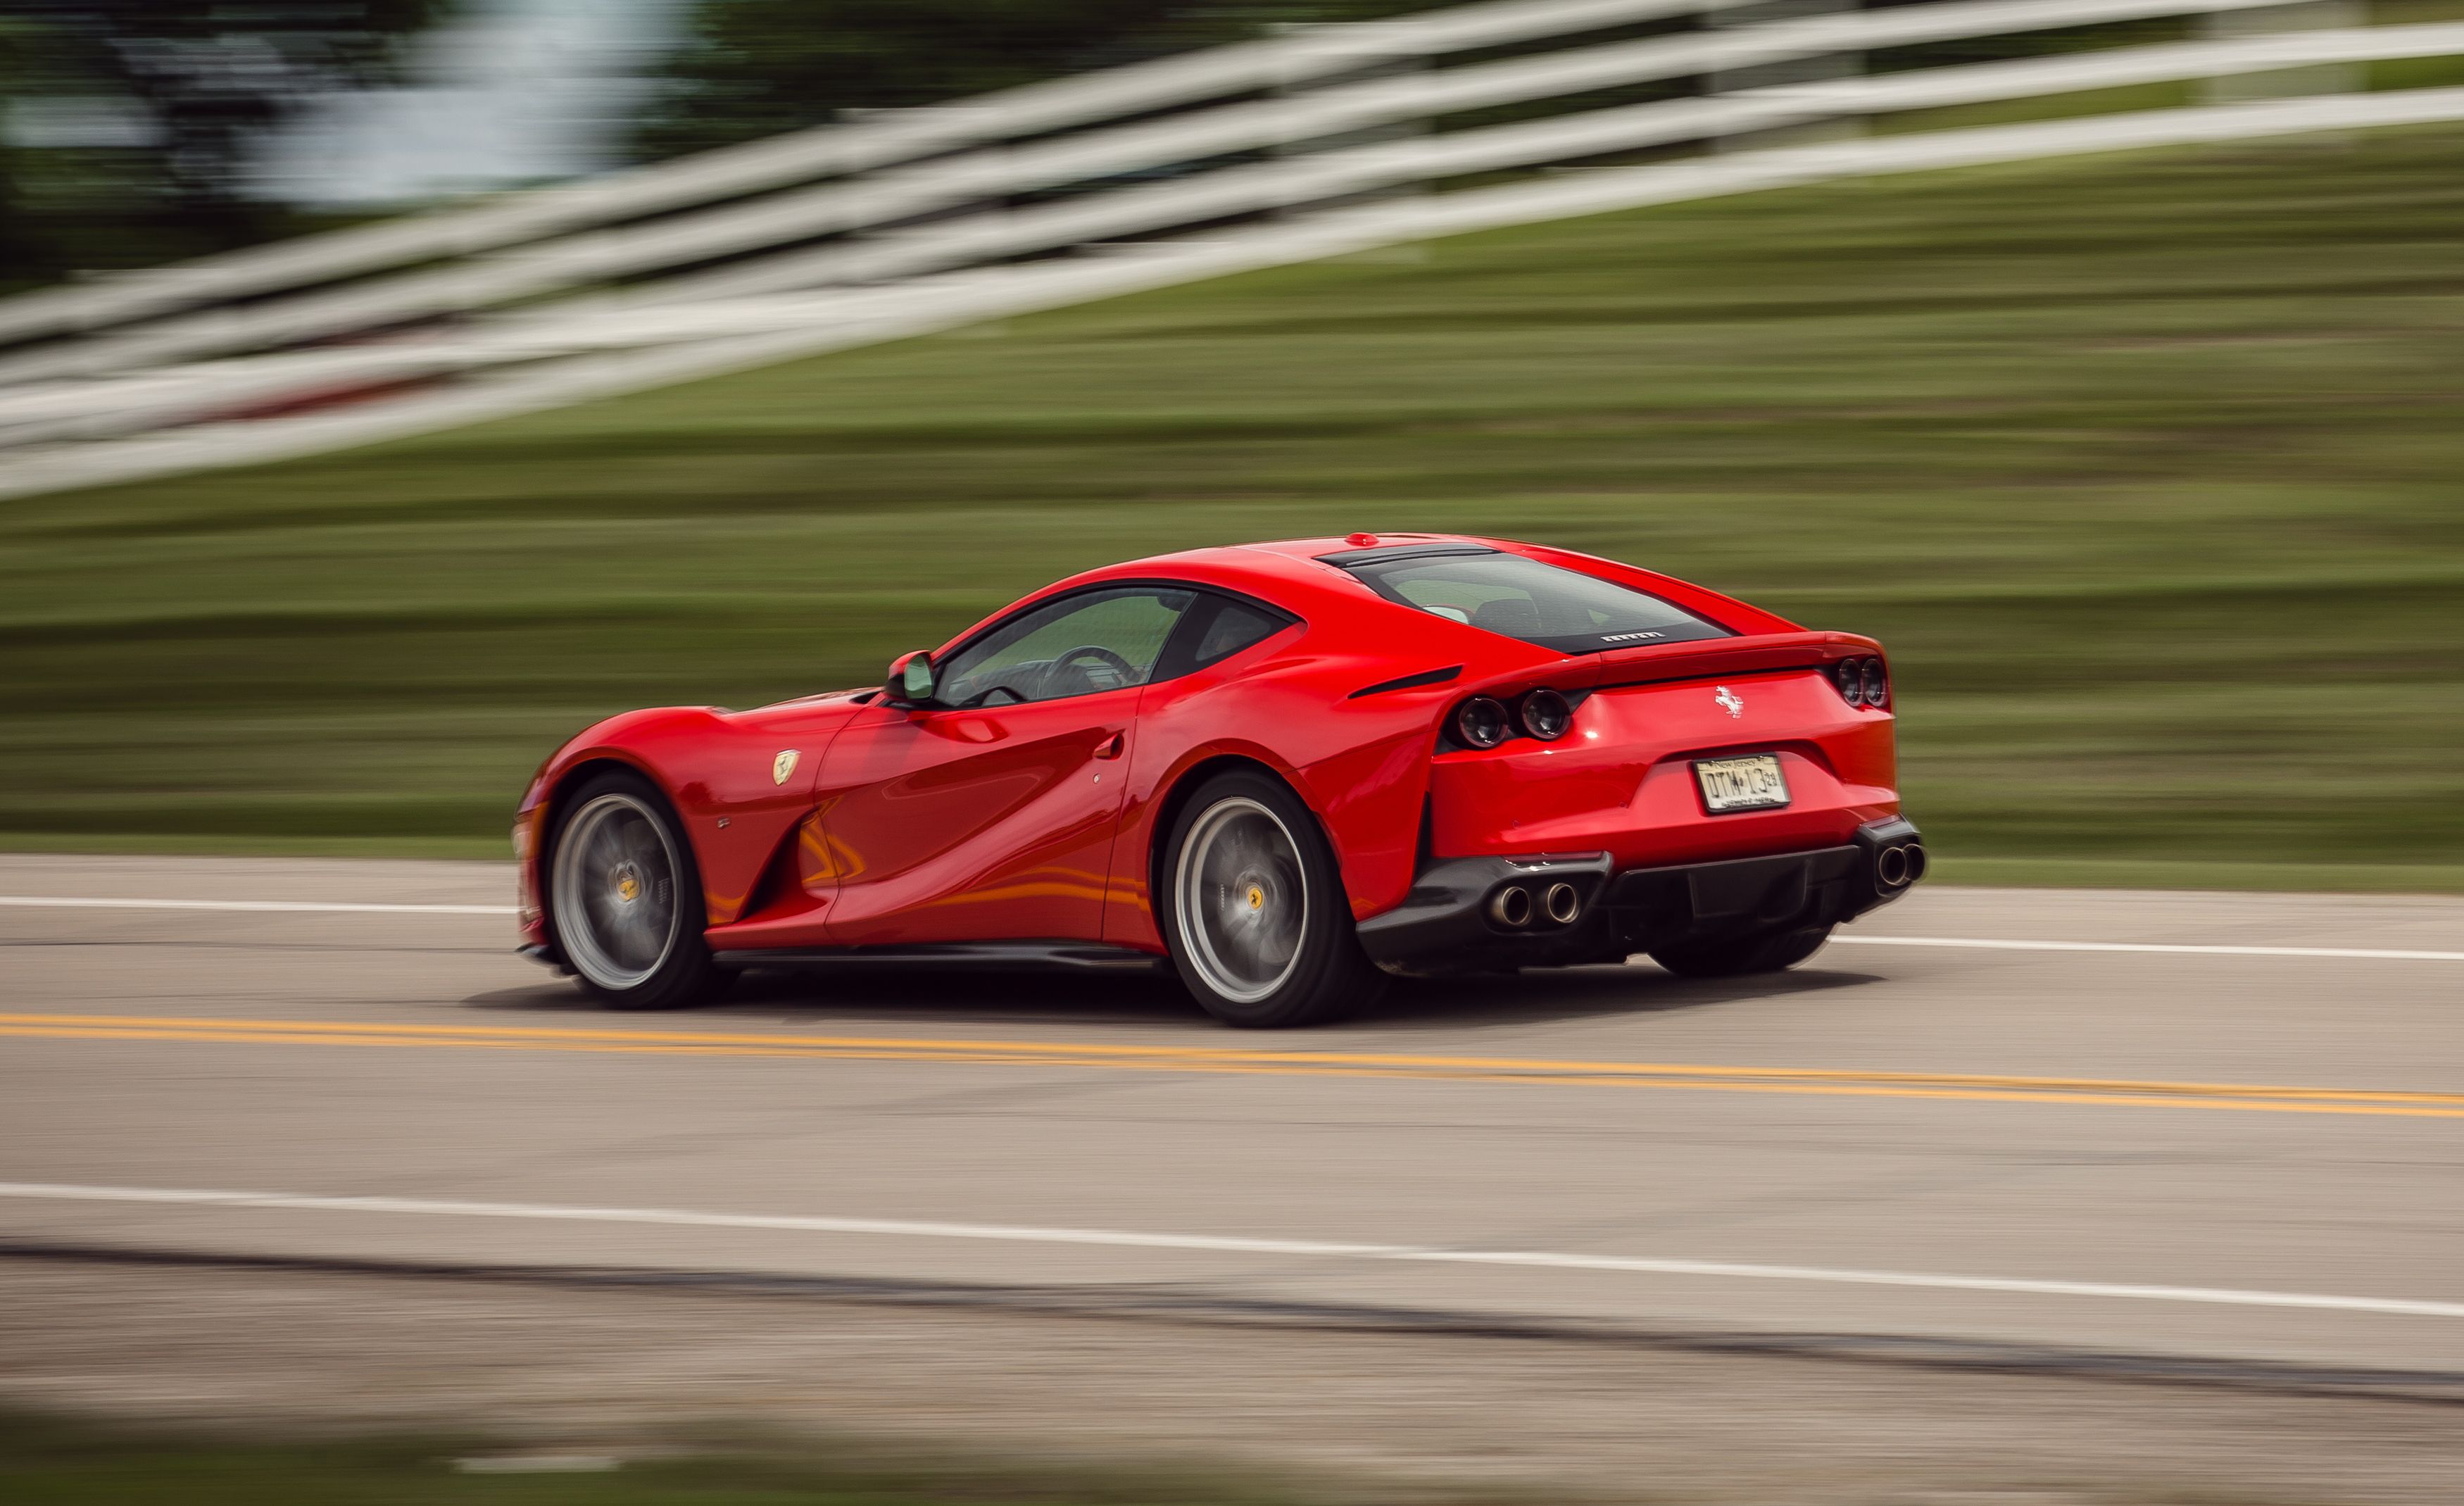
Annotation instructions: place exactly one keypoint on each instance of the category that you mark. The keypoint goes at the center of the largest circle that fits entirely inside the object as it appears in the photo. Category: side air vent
(1408, 682)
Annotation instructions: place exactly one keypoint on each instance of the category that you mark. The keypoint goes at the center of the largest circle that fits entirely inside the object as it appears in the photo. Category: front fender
(636, 740)
(722, 773)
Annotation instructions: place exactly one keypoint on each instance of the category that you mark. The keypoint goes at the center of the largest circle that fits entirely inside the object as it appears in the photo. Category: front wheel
(1767, 952)
(627, 898)
(1254, 911)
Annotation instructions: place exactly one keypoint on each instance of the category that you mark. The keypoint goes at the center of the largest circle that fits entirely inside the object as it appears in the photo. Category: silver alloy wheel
(1241, 898)
(614, 890)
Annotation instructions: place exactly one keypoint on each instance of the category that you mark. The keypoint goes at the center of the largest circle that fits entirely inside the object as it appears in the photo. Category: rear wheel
(1767, 952)
(627, 898)
(1254, 911)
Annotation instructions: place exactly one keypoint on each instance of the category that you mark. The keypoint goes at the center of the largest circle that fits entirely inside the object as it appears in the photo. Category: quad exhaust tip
(1898, 867)
(1520, 906)
(1512, 907)
(1564, 903)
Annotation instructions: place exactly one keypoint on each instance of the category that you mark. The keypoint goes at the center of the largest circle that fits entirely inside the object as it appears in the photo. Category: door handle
(1112, 746)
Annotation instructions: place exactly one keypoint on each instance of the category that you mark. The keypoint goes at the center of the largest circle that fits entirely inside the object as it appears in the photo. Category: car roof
(1306, 575)
(1315, 548)
(1287, 561)
(1284, 572)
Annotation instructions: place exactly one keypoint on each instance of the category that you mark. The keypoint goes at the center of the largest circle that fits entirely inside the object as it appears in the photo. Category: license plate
(1741, 783)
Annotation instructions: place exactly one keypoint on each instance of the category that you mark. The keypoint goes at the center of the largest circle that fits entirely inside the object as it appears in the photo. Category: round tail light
(1850, 677)
(1547, 714)
(1877, 684)
(1481, 723)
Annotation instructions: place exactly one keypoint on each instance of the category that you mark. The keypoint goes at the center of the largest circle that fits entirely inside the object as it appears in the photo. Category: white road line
(272, 906)
(2363, 953)
(337, 907)
(1015, 1233)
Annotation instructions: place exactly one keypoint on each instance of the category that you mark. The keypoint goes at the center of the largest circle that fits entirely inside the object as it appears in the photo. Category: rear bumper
(1454, 920)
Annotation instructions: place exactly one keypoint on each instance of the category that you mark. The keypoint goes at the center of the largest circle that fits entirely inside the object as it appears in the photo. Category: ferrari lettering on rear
(1235, 767)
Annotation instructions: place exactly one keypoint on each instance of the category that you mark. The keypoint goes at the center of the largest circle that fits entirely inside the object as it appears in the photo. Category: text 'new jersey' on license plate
(1741, 783)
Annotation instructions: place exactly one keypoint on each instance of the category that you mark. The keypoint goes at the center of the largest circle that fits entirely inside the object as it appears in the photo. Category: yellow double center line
(1273, 1063)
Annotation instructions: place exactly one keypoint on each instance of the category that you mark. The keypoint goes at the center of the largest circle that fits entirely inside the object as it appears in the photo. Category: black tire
(1244, 847)
(1769, 952)
(624, 896)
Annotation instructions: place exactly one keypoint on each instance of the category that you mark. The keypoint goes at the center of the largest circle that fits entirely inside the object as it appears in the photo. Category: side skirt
(990, 956)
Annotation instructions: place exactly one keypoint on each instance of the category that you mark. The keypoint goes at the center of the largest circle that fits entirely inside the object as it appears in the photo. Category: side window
(1217, 627)
(1236, 627)
(1081, 644)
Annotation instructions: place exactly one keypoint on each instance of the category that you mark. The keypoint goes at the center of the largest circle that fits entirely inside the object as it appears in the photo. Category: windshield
(1520, 598)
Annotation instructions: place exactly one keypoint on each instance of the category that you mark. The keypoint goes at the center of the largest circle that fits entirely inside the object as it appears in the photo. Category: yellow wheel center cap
(629, 888)
(1257, 898)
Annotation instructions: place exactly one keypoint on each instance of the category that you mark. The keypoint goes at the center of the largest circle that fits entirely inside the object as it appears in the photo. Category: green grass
(49, 1462)
(2149, 469)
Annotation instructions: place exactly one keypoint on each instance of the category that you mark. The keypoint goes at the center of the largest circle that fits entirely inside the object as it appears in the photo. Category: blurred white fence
(1244, 157)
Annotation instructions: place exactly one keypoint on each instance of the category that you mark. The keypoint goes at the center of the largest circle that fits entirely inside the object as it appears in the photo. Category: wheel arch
(1184, 789)
(561, 786)
(554, 799)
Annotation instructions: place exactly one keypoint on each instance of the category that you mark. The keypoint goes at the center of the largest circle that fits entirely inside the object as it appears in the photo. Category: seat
(1515, 616)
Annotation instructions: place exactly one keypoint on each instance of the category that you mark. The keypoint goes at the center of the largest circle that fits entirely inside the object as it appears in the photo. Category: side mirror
(910, 678)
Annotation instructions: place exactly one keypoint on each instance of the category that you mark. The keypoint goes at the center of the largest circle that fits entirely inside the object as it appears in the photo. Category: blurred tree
(752, 68)
(126, 124)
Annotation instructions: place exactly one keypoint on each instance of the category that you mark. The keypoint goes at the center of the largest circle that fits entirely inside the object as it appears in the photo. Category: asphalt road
(2222, 1139)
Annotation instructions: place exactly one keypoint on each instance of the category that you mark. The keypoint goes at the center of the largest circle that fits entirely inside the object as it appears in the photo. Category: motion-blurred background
(388, 388)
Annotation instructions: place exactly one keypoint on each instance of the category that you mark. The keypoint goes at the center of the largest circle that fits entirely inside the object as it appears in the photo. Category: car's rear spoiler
(1708, 658)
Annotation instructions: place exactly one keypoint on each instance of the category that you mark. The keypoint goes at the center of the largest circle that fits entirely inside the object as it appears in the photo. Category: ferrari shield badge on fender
(782, 765)
(1727, 698)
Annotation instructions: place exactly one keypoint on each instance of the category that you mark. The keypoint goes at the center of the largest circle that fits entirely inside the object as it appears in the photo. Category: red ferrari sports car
(1285, 770)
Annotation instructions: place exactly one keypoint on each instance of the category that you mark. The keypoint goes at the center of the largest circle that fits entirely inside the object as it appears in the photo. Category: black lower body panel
(995, 956)
(1455, 919)
(1450, 921)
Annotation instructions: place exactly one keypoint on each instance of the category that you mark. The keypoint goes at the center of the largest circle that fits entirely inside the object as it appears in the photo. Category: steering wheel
(1119, 666)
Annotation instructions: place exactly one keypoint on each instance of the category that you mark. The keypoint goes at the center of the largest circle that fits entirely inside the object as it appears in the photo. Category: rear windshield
(1556, 608)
